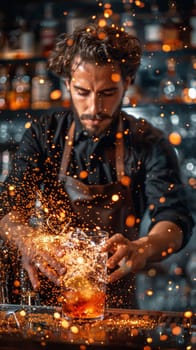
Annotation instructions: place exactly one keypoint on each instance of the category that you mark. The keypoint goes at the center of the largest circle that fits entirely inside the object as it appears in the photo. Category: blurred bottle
(192, 130)
(27, 295)
(191, 270)
(172, 28)
(153, 30)
(177, 130)
(65, 97)
(37, 216)
(177, 288)
(20, 89)
(4, 87)
(41, 87)
(4, 288)
(4, 132)
(192, 22)
(127, 20)
(48, 30)
(6, 162)
(26, 39)
(189, 168)
(171, 86)
(2, 33)
(13, 36)
(75, 18)
(189, 92)
(132, 96)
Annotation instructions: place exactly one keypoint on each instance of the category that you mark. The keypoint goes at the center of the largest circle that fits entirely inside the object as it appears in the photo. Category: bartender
(95, 165)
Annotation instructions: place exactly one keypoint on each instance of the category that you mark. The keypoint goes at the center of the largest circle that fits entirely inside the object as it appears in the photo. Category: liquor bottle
(191, 269)
(26, 39)
(171, 86)
(132, 96)
(65, 95)
(153, 31)
(13, 37)
(73, 19)
(20, 89)
(189, 92)
(2, 33)
(48, 30)
(127, 20)
(193, 26)
(172, 29)
(27, 295)
(4, 288)
(4, 87)
(5, 164)
(41, 87)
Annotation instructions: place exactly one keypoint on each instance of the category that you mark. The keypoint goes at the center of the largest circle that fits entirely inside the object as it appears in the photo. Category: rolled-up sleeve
(165, 191)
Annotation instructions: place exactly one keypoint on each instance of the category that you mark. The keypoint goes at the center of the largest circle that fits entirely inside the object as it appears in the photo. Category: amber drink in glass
(84, 284)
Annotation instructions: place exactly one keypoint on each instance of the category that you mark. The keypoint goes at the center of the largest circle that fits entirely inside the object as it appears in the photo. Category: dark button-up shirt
(149, 159)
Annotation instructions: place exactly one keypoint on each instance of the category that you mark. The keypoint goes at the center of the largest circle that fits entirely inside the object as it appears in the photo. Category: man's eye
(82, 92)
(108, 93)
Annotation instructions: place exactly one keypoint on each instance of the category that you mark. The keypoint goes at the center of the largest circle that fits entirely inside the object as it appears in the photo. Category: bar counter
(35, 328)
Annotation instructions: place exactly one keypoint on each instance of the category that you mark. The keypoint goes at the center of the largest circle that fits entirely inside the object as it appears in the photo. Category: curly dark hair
(95, 44)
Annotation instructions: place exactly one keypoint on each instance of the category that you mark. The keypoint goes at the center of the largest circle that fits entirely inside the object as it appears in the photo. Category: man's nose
(96, 105)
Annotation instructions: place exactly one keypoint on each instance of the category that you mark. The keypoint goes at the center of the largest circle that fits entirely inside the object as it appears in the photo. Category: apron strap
(67, 152)
(119, 152)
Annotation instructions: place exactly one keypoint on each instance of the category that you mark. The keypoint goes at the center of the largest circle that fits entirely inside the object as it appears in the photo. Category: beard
(105, 120)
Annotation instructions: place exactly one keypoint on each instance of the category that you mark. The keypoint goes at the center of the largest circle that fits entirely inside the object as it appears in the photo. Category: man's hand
(128, 256)
(133, 256)
(39, 251)
(45, 255)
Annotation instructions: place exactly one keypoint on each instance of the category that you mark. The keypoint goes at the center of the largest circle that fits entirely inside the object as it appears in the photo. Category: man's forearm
(164, 239)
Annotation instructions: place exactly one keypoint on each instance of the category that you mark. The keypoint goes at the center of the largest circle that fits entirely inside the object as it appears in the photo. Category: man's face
(96, 93)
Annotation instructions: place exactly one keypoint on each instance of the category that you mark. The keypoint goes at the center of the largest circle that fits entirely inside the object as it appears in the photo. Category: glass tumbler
(83, 286)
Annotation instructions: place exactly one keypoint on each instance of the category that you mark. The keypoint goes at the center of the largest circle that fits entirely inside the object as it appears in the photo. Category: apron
(106, 206)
